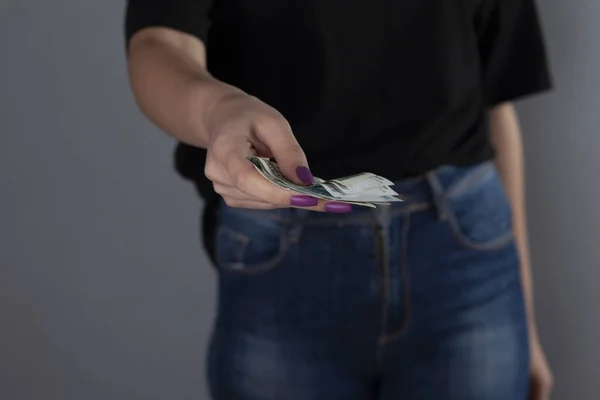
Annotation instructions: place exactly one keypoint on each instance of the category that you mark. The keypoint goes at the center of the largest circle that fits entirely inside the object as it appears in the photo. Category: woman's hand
(240, 125)
(541, 379)
(173, 88)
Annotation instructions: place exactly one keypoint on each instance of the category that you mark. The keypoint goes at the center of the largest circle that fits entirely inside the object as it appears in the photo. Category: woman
(427, 299)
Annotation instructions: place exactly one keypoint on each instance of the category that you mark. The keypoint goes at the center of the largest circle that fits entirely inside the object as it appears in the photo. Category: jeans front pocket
(247, 244)
(480, 213)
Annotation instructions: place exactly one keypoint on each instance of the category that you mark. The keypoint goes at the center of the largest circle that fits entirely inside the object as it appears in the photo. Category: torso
(392, 87)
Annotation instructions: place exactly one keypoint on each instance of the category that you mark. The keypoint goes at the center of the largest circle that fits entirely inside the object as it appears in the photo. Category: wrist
(206, 99)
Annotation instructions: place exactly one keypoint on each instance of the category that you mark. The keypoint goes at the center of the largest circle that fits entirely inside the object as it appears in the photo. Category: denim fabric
(419, 300)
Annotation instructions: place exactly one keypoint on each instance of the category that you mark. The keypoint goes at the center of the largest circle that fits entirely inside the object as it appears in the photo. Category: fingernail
(338, 208)
(303, 201)
(305, 175)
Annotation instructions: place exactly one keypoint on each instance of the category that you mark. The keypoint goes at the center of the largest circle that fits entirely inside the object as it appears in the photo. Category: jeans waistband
(427, 191)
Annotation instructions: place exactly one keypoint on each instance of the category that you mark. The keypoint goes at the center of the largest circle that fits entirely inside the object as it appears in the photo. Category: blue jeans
(420, 300)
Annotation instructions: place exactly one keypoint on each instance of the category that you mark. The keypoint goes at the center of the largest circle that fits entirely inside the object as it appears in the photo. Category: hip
(444, 260)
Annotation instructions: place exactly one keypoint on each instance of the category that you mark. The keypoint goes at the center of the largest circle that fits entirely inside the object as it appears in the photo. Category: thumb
(289, 155)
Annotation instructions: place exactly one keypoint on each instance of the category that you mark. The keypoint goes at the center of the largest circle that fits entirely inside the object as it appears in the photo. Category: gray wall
(563, 162)
(104, 291)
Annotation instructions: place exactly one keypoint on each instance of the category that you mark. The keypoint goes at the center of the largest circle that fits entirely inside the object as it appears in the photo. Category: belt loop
(439, 198)
(383, 216)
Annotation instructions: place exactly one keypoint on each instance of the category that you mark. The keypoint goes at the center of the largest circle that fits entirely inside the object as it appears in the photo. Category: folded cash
(364, 189)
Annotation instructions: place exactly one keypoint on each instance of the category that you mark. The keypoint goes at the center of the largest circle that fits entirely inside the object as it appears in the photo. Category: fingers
(545, 390)
(241, 185)
(247, 179)
(236, 179)
(236, 198)
(255, 205)
(325, 206)
(541, 388)
(235, 195)
(236, 176)
(278, 136)
(255, 185)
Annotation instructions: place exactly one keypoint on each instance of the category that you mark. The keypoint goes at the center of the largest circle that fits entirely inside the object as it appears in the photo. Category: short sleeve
(188, 16)
(512, 48)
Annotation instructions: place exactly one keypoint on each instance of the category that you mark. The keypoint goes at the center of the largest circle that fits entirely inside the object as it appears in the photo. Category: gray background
(104, 291)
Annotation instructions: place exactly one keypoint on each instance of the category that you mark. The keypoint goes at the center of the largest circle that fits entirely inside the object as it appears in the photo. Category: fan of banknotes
(364, 189)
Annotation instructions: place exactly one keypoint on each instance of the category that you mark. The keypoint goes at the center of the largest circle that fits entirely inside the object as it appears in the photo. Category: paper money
(358, 183)
(365, 189)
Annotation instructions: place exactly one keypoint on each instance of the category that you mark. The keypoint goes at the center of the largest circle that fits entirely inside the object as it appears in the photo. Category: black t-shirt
(393, 87)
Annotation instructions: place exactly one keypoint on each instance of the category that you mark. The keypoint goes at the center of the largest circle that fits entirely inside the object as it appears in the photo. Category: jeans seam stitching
(258, 269)
(463, 240)
(384, 287)
(405, 286)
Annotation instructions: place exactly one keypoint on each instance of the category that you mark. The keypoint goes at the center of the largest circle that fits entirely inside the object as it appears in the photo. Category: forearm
(506, 139)
(171, 85)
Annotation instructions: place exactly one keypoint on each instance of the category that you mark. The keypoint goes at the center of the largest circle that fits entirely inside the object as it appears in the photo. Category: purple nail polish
(303, 201)
(305, 175)
(339, 208)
